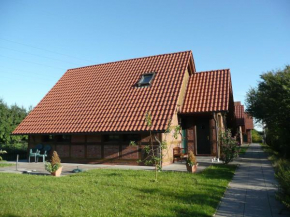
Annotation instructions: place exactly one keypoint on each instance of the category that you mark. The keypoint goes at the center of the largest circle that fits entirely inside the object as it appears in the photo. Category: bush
(229, 147)
(283, 176)
(2, 152)
(269, 103)
(191, 160)
(256, 137)
(15, 149)
(54, 165)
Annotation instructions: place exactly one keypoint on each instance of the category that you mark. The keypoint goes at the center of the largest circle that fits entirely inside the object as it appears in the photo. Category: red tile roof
(239, 111)
(104, 98)
(249, 124)
(208, 91)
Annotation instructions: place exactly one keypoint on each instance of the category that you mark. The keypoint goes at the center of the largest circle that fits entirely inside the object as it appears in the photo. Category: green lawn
(5, 164)
(115, 193)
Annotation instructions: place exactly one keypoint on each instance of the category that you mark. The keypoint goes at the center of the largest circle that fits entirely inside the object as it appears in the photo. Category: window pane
(146, 78)
(111, 138)
(63, 138)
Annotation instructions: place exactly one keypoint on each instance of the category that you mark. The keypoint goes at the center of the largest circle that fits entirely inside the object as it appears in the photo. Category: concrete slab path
(252, 190)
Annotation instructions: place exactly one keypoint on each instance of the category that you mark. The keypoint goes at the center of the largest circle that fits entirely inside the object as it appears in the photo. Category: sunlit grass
(3, 164)
(115, 193)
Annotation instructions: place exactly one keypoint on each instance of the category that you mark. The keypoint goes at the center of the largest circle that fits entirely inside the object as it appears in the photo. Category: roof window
(146, 79)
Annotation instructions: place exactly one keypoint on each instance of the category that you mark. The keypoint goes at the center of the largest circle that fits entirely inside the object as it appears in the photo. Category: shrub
(2, 152)
(229, 147)
(54, 165)
(283, 176)
(191, 160)
(256, 137)
(14, 149)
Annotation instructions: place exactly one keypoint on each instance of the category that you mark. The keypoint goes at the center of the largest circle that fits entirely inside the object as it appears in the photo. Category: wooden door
(203, 146)
(190, 135)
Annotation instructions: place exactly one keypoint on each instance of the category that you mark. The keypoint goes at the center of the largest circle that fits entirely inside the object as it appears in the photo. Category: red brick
(94, 151)
(77, 151)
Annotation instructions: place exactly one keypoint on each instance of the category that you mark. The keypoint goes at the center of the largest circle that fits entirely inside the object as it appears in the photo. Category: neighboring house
(244, 123)
(93, 112)
(240, 121)
(249, 126)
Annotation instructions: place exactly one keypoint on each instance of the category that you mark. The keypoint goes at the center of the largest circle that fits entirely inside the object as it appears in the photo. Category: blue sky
(40, 40)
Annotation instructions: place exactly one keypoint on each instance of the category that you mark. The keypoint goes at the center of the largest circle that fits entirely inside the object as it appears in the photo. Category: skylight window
(146, 79)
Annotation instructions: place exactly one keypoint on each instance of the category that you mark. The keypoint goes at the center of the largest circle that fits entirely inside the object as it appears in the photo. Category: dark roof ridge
(130, 59)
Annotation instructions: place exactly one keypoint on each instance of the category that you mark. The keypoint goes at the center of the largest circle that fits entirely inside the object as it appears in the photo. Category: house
(249, 126)
(92, 113)
(244, 123)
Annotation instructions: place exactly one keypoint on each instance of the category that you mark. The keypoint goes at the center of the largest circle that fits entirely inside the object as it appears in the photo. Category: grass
(115, 193)
(3, 164)
(243, 149)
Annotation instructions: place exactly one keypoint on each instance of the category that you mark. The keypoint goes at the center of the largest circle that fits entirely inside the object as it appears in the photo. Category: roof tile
(239, 112)
(102, 98)
(208, 91)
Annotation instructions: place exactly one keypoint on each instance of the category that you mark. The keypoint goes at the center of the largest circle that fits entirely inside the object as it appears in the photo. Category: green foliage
(10, 117)
(229, 147)
(191, 160)
(154, 153)
(283, 176)
(2, 152)
(282, 172)
(15, 149)
(54, 165)
(51, 168)
(269, 103)
(106, 192)
(256, 137)
(148, 119)
(176, 131)
(132, 143)
(5, 164)
(243, 149)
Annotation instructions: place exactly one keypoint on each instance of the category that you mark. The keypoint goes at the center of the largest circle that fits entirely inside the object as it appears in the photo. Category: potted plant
(54, 167)
(191, 163)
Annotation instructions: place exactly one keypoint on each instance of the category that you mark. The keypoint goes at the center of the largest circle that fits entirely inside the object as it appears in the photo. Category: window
(47, 138)
(146, 79)
(112, 138)
(132, 137)
(63, 138)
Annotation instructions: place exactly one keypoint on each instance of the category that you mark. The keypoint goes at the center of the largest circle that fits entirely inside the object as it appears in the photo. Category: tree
(10, 117)
(270, 103)
(154, 153)
(256, 136)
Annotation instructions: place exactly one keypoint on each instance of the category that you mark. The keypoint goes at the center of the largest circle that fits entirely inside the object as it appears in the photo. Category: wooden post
(17, 162)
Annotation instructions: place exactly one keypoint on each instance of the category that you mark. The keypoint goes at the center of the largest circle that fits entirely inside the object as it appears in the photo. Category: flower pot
(57, 172)
(191, 169)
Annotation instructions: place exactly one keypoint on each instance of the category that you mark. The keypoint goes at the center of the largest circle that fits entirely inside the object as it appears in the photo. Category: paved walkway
(252, 190)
